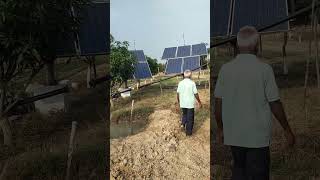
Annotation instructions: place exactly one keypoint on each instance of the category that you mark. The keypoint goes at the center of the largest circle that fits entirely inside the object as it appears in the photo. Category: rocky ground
(162, 151)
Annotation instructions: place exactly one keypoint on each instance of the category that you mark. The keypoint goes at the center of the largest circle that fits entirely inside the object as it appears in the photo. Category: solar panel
(174, 66)
(259, 14)
(142, 70)
(191, 63)
(139, 55)
(219, 21)
(246, 12)
(169, 53)
(199, 49)
(184, 51)
(93, 32)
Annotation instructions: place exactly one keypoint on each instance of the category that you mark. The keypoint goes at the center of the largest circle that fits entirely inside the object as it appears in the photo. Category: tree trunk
(7, 132)
(126, 83)
(51, 80)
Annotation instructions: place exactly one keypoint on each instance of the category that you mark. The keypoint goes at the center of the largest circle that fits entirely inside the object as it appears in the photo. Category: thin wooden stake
(317, 50)
(160, 86)
(131, 113)
(71, 148)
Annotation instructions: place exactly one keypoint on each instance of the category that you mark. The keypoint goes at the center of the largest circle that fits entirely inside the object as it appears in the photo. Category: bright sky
(156, 24)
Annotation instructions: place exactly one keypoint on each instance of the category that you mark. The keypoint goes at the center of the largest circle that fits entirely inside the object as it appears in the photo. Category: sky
(152, 25)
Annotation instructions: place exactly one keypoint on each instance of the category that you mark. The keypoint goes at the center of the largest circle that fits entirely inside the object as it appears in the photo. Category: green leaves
(121, 61)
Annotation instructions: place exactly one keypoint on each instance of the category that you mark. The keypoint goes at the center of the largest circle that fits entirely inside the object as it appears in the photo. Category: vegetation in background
(121, 63)
(153, 64)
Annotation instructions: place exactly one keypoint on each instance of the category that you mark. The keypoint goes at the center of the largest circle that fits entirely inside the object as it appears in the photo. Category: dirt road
(162, 151)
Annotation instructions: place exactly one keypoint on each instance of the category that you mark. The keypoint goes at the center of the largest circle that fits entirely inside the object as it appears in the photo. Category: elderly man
(246, 95)
(186, 95)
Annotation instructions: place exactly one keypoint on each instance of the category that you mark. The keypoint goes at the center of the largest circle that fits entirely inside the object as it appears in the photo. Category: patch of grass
(87, 161)
(139, 114)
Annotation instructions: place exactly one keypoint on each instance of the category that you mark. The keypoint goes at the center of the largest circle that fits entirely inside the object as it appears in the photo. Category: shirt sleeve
(218, 92)
(194, 89)
(179, 88)
(271, 88)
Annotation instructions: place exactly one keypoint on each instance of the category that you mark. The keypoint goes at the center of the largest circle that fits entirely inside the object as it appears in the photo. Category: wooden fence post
(71, 148)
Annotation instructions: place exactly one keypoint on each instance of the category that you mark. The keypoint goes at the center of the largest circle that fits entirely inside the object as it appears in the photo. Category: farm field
(42, 140)
(159, 148)
(303, 161)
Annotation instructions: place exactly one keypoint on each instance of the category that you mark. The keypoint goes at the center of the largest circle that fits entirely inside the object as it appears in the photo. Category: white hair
(247, 37)
(187, 73)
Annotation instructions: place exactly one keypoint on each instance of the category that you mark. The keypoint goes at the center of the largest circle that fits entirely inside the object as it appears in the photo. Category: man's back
(246, 86)
(187, 89)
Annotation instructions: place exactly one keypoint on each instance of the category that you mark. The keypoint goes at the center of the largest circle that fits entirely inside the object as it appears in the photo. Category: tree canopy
(153, 64)
(121, 62)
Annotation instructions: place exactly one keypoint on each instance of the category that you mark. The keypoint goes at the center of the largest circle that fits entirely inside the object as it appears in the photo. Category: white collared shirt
(246, 86)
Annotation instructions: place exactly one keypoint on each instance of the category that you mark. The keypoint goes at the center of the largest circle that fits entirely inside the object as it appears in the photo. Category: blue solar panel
(140, 57)
(184, 51)
(174, 66)
(169, 53)
(199, 49)
(191, 63)
(219, 21)
(93, 33)
(142, 71)
(259, 14)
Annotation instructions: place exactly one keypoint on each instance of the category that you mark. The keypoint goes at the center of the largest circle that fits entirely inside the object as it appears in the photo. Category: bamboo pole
(307, 66)
(71, 148)
(317, 50)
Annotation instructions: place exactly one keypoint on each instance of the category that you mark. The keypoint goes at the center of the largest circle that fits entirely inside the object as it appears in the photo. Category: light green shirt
(246, 86)
(187, 89)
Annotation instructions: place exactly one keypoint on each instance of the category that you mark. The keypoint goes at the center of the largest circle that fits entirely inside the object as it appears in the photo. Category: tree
(153, 65)
(48, 21)
(121, 62)
(19, 60)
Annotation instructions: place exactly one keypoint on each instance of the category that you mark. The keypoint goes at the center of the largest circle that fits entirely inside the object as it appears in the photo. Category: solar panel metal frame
(199, 63)
(180, 47)
(164, 55)
(180, 58)
(202, 52)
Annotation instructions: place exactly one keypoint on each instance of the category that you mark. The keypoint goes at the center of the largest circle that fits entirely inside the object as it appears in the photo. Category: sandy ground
(162, 151)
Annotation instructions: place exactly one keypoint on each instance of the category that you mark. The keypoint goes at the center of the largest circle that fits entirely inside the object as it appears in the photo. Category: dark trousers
(188, 120)
(250, 163)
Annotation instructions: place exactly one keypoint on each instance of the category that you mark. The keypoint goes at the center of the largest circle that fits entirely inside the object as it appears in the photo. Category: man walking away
(246, 95)
(186, 94)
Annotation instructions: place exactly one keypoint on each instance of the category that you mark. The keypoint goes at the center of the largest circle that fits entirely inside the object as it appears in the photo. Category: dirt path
(162, 151)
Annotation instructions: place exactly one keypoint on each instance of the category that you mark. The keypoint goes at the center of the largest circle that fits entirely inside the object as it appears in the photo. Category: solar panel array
(184, 51)
(141, 68)
(179, 65)
(227, 20)
(185, 57)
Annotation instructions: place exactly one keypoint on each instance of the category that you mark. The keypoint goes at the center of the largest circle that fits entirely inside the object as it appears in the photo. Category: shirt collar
(246, 57)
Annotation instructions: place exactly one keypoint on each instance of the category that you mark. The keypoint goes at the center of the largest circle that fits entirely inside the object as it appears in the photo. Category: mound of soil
(162, 151)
